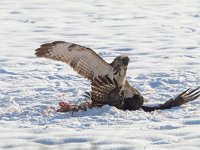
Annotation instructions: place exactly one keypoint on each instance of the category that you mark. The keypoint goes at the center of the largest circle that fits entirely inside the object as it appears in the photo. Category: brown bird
(108, 83)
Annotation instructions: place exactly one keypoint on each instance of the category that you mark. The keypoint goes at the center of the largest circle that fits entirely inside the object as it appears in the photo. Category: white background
(162, 39)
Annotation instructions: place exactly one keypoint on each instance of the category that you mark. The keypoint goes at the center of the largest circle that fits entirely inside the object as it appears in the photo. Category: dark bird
(108, 83)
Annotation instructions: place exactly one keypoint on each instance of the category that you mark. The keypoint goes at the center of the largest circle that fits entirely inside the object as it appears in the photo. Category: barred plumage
(108, 83)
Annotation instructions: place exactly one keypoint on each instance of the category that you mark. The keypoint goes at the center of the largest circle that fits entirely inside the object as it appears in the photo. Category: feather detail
(82, 59)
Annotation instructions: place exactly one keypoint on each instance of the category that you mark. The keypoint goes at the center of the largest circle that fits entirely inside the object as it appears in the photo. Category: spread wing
(184, 97)
(82, 59)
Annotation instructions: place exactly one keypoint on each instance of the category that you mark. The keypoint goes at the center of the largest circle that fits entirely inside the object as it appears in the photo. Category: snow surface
(162, 38)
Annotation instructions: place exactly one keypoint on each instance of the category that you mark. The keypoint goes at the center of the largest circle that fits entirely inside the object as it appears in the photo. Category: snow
(160, 37)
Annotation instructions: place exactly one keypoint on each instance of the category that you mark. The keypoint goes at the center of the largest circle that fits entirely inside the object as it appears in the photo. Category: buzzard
(108, 83)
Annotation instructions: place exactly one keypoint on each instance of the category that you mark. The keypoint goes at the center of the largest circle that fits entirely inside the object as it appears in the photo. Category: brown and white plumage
(108, 83)
(82, 59)
(106, 91)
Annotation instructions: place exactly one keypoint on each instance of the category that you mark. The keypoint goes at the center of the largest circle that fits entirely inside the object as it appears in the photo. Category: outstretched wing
(184, 97)
(82, 59)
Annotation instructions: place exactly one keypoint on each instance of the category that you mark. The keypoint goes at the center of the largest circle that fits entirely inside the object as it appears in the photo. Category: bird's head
(133, 103)
(125, 59)
(122, 58)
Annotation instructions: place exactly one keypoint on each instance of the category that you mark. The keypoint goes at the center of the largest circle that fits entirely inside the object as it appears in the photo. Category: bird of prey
(108, 83)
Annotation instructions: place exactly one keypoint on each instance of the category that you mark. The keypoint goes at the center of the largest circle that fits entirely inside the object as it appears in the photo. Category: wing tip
(41, 52)
(44, 48)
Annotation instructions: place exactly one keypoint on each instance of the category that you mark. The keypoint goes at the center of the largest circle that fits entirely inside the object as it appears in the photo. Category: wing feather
(82, 59)
(105, 91)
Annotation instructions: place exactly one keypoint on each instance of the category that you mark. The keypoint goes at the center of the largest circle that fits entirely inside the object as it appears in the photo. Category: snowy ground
(162, 38)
